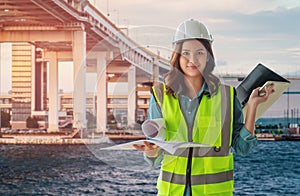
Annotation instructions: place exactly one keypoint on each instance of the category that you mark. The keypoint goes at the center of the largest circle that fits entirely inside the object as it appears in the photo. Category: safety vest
(208, 170)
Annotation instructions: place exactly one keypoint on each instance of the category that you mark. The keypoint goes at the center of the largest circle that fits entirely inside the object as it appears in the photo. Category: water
(273, 168)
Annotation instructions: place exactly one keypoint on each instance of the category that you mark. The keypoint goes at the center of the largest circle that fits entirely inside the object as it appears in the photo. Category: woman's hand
(151, 150)
(255, 99)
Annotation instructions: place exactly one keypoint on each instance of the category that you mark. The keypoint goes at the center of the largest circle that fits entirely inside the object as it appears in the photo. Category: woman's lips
(192, 67)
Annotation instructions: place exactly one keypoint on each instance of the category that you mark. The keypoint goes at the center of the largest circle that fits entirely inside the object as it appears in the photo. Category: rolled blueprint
(155, 129)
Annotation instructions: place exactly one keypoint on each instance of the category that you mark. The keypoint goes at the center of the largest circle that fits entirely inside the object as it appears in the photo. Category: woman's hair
(175, 76)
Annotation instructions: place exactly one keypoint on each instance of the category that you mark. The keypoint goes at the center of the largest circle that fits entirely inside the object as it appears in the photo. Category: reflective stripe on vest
(211, 166)
(198, 179)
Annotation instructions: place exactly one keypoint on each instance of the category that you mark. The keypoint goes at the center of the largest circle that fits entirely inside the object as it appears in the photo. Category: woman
(196, 107)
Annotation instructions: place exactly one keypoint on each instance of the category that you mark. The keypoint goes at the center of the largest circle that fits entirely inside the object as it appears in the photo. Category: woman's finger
(139, 147)
(150, 145)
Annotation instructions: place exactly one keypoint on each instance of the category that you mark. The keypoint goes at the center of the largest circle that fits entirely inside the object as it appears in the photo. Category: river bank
(75, 138)
(31, 139)
(283, 137)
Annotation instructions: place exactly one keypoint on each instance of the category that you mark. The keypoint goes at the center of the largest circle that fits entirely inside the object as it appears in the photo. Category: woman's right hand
(151, 150)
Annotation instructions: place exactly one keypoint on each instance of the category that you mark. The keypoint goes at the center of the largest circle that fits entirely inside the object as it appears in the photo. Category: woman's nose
(192, 59)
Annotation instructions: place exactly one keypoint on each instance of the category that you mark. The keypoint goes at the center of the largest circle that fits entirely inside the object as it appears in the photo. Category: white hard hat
(192, 29)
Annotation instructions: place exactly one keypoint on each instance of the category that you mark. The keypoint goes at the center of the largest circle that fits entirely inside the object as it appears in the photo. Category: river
(273, 168)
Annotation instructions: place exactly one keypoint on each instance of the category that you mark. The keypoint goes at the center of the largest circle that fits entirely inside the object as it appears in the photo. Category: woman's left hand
(256, 99)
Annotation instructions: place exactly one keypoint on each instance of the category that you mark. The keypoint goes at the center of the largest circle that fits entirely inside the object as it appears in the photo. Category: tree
(5, 119)
(32, 122)
(111, 119)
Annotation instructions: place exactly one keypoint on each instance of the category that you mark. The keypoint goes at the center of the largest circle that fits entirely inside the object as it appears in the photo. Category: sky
(245, 32)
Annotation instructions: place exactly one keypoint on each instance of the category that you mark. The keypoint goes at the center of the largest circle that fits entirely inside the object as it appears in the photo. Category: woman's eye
(200, 53)
(185, 53)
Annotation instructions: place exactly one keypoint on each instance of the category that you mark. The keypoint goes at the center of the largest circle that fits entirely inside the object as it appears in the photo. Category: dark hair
(176, 76)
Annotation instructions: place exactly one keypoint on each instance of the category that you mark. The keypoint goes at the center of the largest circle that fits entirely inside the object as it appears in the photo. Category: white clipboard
(279, 88)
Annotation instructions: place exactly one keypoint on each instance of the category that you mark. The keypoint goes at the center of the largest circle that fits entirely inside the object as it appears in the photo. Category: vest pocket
(218, 164)
(164, 184)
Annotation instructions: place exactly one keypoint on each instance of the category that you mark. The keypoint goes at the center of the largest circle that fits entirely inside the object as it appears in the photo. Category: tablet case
(257, 78)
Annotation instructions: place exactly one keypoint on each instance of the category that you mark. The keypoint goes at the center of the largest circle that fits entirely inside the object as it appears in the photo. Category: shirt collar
(204, 89)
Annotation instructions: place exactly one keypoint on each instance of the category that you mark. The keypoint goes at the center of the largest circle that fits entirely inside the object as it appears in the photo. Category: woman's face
(193, 58)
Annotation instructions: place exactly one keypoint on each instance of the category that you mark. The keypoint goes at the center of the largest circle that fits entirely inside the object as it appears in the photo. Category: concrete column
(101, 92)
(79, 94)
(36, 87)
(0, 82)
(155, 73)
(53, 93)
(131, 95)
(34, 82)
(44, 85)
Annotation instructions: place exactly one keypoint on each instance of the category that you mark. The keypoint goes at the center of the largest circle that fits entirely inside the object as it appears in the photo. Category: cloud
(276, 24)
(221, 63)
(269, 36)
(294, 73)
(294, 51)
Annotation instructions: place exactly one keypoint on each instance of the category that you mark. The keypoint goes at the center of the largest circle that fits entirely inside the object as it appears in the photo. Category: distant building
(22, 63)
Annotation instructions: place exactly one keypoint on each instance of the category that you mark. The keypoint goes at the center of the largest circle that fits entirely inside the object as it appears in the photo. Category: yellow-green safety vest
(211, 170)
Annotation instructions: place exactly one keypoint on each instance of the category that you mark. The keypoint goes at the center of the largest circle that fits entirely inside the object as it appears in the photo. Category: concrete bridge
(74, 30)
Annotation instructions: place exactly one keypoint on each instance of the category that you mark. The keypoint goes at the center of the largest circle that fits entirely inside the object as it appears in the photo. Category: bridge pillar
(79, 92)
(101, 92)
(155, 73)
(53, 92)
(131, 118)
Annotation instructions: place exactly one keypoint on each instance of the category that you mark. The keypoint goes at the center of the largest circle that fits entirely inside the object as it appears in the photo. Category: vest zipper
(188, 171)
